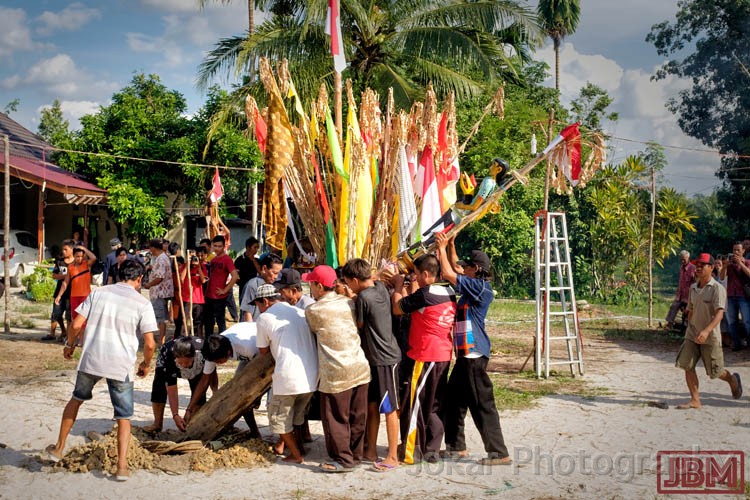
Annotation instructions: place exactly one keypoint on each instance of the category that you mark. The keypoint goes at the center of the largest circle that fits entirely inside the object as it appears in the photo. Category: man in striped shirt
(115, 315)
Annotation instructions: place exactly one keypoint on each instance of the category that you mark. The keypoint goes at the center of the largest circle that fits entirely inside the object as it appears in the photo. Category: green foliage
(508, 236)
(147, 120)
(12, 106)
(620, 229)
(40, 284)
(53, 127)
(590, 107)
(714, 232)
(458, 46)
(709, 43)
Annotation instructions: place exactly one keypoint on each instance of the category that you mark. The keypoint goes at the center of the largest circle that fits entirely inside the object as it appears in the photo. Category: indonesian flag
(261, 131)
(216, 190)
(568, 158)
(333, 28)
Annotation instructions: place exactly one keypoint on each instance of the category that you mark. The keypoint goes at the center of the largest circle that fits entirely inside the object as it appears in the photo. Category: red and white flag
(216, 190)
(568, 158)
(333, 28)
(427, 189)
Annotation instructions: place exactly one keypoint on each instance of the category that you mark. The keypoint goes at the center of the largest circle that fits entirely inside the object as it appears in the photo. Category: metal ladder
(555, 297)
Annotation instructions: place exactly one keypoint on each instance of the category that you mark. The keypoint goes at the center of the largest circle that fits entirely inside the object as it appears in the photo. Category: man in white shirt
(283, 332)
(238, 343)
(115, 316)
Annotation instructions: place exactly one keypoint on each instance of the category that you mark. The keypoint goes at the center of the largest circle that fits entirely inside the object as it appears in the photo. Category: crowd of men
(361, 345)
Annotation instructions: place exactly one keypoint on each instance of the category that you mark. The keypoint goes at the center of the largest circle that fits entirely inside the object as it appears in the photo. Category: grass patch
(509, 346)
(507, 310)
(519, 391)
(32, 309)
(62, 363)
(22, 322)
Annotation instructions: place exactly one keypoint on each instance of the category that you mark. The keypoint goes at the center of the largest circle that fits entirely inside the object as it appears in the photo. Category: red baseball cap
(325, 275)
(704, 258)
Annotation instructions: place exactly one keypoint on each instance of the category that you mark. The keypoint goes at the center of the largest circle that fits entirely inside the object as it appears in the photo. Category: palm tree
(403, 44)
(559, 18)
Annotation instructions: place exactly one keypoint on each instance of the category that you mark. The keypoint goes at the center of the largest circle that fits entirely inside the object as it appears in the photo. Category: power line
(133, 158)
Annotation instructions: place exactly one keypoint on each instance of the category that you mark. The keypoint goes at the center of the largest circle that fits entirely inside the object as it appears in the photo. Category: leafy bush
(40, 285)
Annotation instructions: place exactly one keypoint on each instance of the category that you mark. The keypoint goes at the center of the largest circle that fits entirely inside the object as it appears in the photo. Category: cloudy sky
(82, 52)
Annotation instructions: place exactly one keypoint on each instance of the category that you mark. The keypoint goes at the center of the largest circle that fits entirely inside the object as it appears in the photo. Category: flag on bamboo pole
(261, 131)
(278, 157)
(448, 172)
(330, 245)
(407, 208)
(217, 191)
(568, 159)
(352, 130)
(426, 185)
(333, 28)
(335, 147)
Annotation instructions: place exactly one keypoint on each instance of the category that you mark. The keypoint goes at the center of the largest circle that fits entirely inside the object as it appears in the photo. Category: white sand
(603, 447)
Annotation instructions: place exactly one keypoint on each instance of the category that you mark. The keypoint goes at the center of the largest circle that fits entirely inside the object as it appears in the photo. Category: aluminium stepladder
(555, 296)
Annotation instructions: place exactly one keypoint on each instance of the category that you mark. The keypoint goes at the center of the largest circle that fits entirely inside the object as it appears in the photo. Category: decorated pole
(548, 172)
(179, 292)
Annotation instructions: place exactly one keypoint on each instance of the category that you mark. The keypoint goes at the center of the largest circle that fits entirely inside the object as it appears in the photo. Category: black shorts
(383, 388)
(159, 387)
(61, 310)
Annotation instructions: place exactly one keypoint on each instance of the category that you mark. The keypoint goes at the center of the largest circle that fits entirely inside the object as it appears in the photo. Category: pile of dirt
(234, 451)
(102, 455)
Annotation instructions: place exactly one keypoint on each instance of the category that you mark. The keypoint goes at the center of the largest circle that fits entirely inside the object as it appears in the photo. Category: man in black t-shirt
(247, 265)
(61, 311)
(179, 358)
(373, 315)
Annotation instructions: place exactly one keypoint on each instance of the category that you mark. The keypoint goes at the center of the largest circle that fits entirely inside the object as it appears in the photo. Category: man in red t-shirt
(432, 308)
(192, 276)
(222, 276)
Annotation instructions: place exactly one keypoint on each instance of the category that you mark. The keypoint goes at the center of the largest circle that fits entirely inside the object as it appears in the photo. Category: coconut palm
(559, 18)
(401, 44)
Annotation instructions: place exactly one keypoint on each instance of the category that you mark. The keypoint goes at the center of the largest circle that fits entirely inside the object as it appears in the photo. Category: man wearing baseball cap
(705, 309)
(289, 285)
(343, 369)
(469, 386)
(283, 332)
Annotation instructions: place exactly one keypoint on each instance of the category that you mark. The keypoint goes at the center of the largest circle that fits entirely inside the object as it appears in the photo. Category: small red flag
(216, 190)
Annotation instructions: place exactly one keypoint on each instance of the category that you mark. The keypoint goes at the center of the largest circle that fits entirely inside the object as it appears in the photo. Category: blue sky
(82, 52)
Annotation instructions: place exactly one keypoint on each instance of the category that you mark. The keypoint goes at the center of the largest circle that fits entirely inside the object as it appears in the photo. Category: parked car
(22, 255)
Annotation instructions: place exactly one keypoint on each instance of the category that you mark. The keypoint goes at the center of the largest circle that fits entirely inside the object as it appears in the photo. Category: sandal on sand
(495, 461)
(454, 454)
(49, 455)
(122, 475)
(384, 467)
(334, 468)
(737, 394)
(48, 338)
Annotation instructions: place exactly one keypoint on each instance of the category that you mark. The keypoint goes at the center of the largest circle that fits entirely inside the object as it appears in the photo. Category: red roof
(76, 189)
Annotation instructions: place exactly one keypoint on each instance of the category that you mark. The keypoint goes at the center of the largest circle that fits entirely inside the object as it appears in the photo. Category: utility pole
(651, 251)
(6, 231)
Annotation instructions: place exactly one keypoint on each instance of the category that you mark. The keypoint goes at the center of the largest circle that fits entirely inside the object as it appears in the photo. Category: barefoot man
(115, 315)
(705, 308)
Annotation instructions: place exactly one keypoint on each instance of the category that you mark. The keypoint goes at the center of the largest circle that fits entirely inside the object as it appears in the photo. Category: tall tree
(399, 44)
(53, 127)
(559, 18)
(709, 43)
(590, 107)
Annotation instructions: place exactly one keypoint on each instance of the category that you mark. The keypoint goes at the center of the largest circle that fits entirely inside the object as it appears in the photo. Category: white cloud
(70, 18)
(16, 35)
(174, 5)
(59, 77)
(640, 103)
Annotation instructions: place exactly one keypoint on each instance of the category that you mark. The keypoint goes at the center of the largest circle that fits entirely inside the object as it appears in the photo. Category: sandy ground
(565, 447)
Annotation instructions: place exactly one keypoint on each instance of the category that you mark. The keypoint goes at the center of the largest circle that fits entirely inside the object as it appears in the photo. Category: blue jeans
(738, 305)
(120, 393)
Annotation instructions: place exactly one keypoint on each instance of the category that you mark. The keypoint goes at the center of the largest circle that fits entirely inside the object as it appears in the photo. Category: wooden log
(231, 400)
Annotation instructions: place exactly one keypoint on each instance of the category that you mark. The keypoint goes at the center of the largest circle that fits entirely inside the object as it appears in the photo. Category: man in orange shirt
(78, 279)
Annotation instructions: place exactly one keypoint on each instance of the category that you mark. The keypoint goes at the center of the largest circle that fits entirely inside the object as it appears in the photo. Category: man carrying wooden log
(283, 332)
(343, 368)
